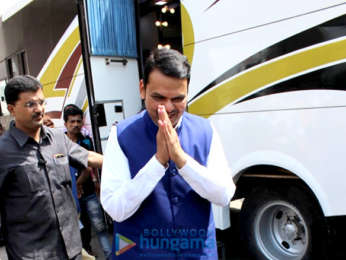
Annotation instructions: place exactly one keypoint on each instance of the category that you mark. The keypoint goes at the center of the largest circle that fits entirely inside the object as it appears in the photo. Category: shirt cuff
(155, 167)
(189, 168)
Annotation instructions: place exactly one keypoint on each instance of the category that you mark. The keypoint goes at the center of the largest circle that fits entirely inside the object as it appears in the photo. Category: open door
(117, 36)
(112, 60)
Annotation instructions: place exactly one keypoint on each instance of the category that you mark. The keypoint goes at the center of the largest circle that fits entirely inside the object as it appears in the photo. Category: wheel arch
(284, 170)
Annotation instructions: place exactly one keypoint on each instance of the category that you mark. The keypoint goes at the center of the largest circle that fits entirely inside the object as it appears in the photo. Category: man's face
(74, 124)
(47, 121)
(28, 110)
(167, 91)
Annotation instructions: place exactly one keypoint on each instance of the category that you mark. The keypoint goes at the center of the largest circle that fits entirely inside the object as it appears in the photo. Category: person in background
(162, 169)
(91, 210)
(39, 216)
(47, 121)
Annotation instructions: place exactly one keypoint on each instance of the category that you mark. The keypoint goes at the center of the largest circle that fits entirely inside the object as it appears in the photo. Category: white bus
(271, 75)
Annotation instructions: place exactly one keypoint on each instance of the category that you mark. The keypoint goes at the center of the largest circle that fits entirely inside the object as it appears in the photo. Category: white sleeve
(213, 182)
(121, 196)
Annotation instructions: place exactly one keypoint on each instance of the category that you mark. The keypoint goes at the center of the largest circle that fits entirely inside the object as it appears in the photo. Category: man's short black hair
(72, 110)
(20, 84)
(169, 62)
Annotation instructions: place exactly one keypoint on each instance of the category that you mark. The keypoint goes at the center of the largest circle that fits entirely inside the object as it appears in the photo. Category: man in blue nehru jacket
(162, 169)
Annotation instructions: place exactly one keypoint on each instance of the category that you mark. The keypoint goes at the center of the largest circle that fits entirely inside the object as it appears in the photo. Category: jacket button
(174, 172)
(175, 199)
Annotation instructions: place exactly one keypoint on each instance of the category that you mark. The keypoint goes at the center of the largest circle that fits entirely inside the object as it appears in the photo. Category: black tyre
(281, 224)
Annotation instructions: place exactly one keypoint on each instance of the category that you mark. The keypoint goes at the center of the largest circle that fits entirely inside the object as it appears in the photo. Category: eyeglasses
(34, 104)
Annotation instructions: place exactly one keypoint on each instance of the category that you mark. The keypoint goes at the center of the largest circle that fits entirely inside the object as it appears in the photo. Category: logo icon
(122, 244)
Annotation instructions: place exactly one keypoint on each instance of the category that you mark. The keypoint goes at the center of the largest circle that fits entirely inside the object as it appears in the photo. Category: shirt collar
(80, 136)
(179, 122)
(22, 138)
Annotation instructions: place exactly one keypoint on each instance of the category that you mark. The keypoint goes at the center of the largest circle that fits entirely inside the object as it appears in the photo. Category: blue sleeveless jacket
(173, 222)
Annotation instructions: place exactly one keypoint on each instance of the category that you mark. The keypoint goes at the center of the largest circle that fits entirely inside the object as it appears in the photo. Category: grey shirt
(38, 212)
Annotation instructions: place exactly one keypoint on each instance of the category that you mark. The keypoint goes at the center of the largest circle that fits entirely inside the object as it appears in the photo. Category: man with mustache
(39, 216)
(91, 213)
(163, 167)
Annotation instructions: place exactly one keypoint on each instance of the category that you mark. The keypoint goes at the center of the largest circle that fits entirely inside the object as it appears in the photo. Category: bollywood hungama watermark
(171, 241)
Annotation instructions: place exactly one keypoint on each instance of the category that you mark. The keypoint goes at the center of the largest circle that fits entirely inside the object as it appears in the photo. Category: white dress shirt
(122, 195)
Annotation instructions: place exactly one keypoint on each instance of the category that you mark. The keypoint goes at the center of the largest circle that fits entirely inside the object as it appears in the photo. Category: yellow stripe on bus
(245, 83)
(55, 67)
(188, 34)
(85, 106)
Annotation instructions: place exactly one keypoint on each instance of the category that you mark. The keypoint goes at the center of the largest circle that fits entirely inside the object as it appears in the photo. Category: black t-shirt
(88, 185)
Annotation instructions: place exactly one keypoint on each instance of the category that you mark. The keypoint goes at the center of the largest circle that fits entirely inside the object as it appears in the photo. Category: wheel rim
(281, 231)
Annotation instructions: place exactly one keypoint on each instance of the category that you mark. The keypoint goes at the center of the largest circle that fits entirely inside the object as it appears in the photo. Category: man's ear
(10, 108)
(142, 89)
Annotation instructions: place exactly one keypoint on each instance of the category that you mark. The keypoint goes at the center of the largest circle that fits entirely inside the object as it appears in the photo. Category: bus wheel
(278, 225)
